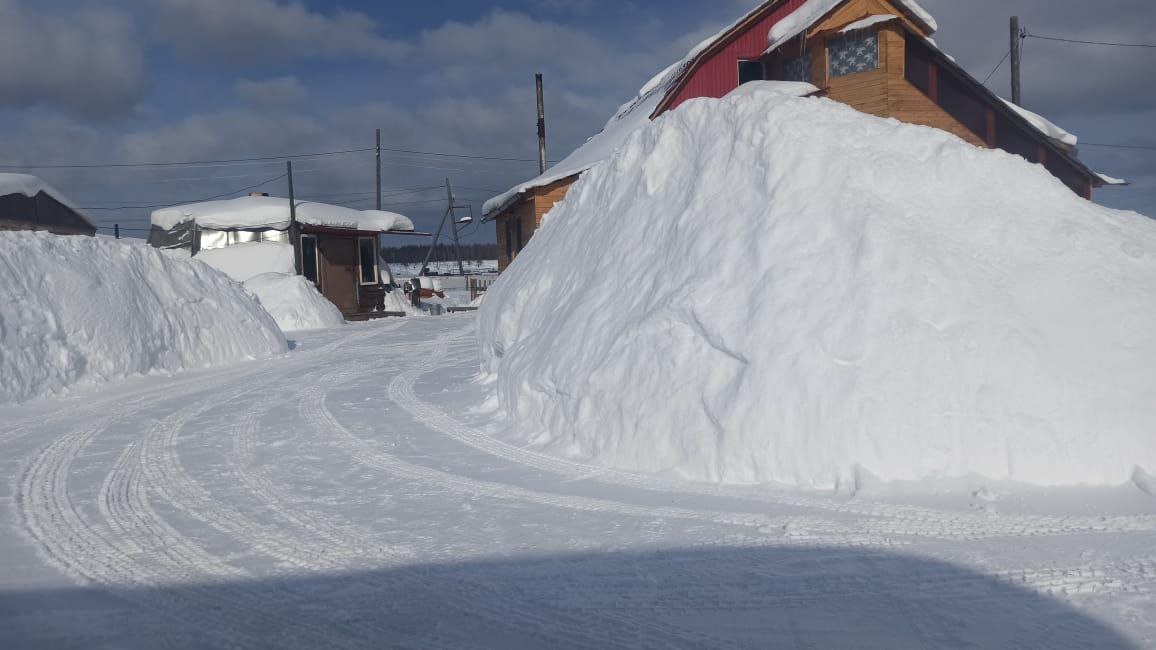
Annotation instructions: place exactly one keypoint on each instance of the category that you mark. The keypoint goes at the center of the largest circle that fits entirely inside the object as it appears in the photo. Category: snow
(818, 297)
(30, 186)
(1043, 125)
(1110, 180)
(813, 10)
(257, 212)
(294, 302)
(631, 118)
(84, 312)
(869, 21)
(350, 495)
(244, 261)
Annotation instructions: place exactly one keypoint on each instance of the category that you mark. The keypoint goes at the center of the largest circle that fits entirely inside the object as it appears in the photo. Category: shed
(334, 247)
(28, 203)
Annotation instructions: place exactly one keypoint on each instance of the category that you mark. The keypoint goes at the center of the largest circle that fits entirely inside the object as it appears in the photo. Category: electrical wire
(997, 67)
(208, 198)
(1081, 42)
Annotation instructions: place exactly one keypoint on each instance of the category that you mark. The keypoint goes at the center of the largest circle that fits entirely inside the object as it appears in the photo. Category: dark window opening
(1012, 139)
(855, 52)
(367, 256)
(917, 65)
(309, 258)
(751, 71)
(962, 103)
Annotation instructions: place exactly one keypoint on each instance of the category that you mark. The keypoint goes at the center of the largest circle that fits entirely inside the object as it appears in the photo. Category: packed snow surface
(243, 261)
(294, 302)
(816, 296)
(82, 311)
(255, 212)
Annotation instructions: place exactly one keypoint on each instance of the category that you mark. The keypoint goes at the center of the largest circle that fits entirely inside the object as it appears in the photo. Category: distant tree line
(442, 253)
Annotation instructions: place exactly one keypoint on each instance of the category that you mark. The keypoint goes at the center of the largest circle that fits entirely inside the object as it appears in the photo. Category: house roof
(254, 212)
(30, 186)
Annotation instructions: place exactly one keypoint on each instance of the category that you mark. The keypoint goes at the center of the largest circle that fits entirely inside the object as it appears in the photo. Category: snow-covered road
(347, 496)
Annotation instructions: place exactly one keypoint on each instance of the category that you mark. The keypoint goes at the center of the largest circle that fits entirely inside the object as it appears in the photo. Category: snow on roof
(636, 113)
(868, 22)
(251, 212)
(1043, 125)
(1109, 180)
(30, 186)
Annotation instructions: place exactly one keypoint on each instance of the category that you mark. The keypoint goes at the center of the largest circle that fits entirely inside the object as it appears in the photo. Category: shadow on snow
(735, 597)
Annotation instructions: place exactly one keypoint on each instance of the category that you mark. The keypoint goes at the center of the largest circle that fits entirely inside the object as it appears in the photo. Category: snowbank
(294, 302)
(816, 294)
(81, 311)
(243, 261)
(257, 212)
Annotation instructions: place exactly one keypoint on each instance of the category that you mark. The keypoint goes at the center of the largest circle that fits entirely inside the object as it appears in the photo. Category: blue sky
(134, 81)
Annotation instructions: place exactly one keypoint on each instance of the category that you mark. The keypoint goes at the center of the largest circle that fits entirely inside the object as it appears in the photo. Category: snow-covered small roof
(253, 212)
(1043, 125)
(813, 10)
(869, 21)
(30, 186)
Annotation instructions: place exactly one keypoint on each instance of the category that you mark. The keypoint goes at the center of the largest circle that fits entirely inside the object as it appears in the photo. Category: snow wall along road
(86, 311)
(769, 289)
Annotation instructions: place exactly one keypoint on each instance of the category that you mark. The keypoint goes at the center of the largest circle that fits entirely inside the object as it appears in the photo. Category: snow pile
(815, 295)
(243, 261)
(294, 302)
(268, 271)
(257, 212)
(80, 311)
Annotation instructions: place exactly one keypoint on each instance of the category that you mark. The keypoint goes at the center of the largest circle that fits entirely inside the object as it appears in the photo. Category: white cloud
(247, 32)
(87, 61)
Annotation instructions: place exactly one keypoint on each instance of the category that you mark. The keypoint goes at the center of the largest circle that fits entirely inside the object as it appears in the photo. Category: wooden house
(874, 55)
(335, 248)
(28, 203)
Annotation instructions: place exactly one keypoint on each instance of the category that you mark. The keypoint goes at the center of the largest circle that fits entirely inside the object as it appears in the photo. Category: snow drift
(268, 271)
(84, 311)
(774, 289)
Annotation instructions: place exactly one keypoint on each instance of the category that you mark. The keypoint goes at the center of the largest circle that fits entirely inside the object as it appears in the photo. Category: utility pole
(294, 237)
(116, 230)
(1017, 41)
(454, 221)
(378, 149)
(541, 125)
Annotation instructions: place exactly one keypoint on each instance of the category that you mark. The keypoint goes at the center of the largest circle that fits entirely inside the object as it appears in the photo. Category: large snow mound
(770, 289)
(244, 261)
(81, 311)
(294, 302)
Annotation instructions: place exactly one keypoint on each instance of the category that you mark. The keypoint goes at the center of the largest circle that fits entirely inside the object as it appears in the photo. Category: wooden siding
(41, 212)
(719, 75)
(527, 212)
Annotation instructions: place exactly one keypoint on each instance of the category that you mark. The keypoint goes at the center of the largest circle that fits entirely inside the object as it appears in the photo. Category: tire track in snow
(884, 520)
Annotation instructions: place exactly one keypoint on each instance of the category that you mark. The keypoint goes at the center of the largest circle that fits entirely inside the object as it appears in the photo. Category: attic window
(751, 71)
(856, 52)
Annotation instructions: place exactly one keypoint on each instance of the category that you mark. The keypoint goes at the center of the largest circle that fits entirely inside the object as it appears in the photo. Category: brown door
(339, 272)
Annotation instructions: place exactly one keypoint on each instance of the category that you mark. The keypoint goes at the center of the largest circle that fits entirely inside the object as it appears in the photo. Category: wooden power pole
(541, 125)
(378, 171)
(1017, 42)
(454, 221)
(294, 229)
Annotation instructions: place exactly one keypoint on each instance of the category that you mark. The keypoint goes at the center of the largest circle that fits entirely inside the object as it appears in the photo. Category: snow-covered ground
(351, 495)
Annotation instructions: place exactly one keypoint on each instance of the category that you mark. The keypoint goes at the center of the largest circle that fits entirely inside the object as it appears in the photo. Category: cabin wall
(527, 214)
(41, 213)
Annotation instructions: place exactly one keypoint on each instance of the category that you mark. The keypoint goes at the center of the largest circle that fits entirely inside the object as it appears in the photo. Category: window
(367, 259)
(917, 65)
(797, 69)
(855, 52)
(751, 71)
(309, 258)
(962, 103)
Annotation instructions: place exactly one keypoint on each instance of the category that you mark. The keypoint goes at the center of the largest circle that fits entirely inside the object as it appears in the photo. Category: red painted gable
(719, 74)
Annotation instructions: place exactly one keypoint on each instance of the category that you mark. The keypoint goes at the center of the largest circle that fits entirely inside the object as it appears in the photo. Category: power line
(1081, 42)
(997, 67)
(210, 198)
(1119, 146)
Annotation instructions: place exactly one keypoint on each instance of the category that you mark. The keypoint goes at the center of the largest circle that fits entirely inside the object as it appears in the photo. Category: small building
(28, 203)
(336, 248)
(874, 55)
